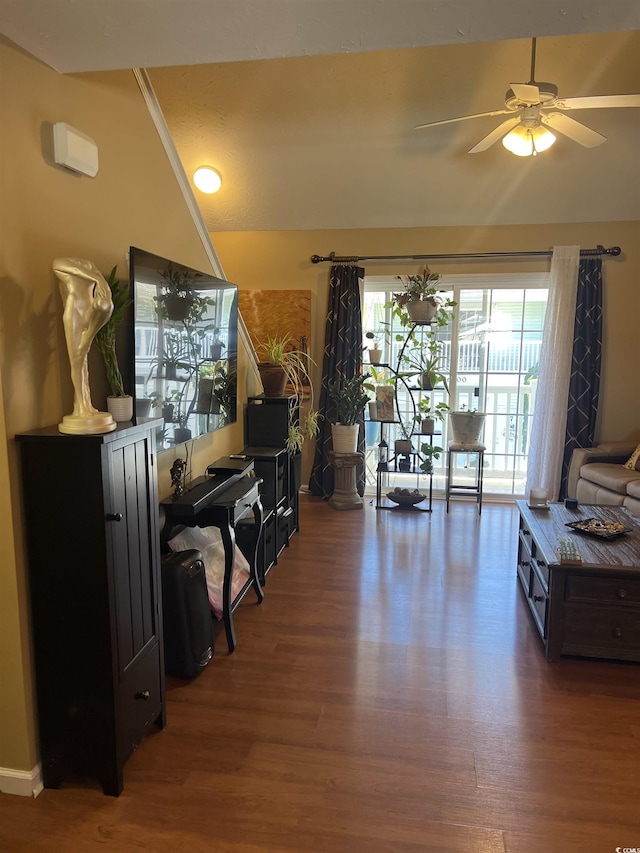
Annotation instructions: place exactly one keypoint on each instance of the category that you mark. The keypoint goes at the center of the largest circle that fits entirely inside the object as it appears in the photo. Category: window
(490, 355)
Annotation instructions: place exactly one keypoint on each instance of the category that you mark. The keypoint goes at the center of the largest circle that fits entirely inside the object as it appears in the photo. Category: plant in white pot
(421, 301)
(466, 426)
(375, 346)
(349, 398)
(119, 404)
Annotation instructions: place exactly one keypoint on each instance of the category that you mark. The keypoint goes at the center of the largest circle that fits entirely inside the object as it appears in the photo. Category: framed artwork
(384, 401)
(277, 314)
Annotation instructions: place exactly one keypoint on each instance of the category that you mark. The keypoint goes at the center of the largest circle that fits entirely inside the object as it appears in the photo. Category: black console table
(221, 501)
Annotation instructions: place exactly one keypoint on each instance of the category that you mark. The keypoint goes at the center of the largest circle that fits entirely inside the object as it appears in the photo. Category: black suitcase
(187, 618)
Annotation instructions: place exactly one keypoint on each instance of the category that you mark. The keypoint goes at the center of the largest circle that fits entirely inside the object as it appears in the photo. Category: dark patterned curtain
(584, 385)
(342, 359)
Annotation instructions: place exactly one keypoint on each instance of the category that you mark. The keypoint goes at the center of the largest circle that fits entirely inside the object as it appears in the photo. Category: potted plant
(375, 348)
(421, 301)
(466, 425)
(177, 298)
(166, 404)
(216, 347)
(349, 398)
(426, 416)
(119, 404)
(425, 360)
(429, 453)
(283, 365)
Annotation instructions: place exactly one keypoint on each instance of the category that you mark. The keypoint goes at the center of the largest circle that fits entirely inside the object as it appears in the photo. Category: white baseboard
(24, 783)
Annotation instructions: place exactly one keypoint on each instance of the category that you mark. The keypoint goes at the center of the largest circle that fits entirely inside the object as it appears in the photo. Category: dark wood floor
(389, 696)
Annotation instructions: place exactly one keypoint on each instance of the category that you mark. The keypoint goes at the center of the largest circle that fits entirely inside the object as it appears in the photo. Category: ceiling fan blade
(573, 129)
(462, 118)
(598, 102)
(496, 134)
(527, 93)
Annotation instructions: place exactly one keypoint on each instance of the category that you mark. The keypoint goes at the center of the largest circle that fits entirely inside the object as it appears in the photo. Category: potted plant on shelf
(119, 404)
(426, 416)
(283, 365)
(429, 452)
(177, 298)
(403, 448)
(425, 360)
(421, 301)
(349, 398)
(375, 348)
(166, 404)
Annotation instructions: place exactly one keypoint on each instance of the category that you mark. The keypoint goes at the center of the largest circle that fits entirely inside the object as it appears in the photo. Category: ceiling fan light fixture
(527, 141)
(207, 179)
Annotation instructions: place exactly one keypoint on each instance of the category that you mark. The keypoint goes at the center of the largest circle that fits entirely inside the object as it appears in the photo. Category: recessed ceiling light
(207, 179)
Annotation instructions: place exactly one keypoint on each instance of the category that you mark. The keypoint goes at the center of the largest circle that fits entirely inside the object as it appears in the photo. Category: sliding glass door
(491, 352)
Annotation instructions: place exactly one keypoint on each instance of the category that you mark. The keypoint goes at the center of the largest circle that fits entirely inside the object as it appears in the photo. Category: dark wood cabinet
(268, 420)
(91, 518)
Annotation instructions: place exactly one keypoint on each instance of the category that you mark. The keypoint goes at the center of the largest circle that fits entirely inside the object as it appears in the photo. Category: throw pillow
(633, 462)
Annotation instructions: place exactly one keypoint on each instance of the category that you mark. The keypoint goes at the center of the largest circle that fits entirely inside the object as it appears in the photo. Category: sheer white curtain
(544, 466)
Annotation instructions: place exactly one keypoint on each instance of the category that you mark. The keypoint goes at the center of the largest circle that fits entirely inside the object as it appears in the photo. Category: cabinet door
(129, 518)
(132, 528)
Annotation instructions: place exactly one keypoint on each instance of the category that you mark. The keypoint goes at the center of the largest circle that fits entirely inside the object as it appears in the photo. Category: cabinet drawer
(140, 697)
(284, 519)
(538, 601)
(619, 591)
(601, 631)
(245, 507)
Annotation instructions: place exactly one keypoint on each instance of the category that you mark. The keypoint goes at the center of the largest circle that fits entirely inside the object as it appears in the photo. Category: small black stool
(474, 488)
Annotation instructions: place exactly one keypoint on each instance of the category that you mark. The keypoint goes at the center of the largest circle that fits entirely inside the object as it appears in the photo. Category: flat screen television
(185, 344)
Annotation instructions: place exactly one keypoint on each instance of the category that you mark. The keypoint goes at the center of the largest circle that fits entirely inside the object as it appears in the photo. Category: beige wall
(281, 259)
(46, 212)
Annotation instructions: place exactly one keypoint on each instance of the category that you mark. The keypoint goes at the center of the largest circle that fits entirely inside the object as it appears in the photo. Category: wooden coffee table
(591, 608)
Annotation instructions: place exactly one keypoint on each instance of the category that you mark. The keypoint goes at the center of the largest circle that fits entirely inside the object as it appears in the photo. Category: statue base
(80, 425)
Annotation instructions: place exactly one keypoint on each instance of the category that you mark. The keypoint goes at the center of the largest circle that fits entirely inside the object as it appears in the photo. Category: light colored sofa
(597, 475)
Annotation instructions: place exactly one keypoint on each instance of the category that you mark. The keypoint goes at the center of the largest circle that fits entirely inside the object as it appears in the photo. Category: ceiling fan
(535, 107)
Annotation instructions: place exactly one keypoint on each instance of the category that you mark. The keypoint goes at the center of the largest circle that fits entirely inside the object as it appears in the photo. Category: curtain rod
(599, 250)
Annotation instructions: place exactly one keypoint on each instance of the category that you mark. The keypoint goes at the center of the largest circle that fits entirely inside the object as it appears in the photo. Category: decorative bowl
(406, 499)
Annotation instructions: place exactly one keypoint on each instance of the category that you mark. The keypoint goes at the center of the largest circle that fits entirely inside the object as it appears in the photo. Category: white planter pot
(375, 356)
(120, 408)
(345, 438)
(466, 426)
(421, 310)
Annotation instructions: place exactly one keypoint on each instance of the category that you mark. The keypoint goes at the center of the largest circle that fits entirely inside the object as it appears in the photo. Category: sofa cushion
(613, 477)
(633, 462)
(633, 488)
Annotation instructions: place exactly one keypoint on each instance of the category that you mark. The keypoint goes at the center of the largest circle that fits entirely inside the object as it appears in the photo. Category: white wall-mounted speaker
(74, 150)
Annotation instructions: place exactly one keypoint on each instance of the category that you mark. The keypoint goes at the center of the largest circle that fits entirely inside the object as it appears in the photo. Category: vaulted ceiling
(309, 115)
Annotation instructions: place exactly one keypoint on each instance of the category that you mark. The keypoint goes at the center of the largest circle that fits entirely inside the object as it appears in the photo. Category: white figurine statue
(87, 307)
